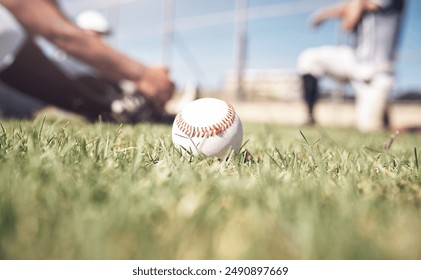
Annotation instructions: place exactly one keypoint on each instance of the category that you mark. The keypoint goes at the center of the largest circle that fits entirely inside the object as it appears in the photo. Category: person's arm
(42, 17)
(320, 16)
(349, 12)
(354, 11)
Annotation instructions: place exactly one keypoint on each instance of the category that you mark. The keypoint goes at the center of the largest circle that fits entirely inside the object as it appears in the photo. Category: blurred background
(243, 49)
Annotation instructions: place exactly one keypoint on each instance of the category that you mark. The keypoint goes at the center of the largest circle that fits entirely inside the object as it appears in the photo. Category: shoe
(310, 121)
(136, 108)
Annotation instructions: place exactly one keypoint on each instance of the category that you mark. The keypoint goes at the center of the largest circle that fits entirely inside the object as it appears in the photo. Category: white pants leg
(338, 62)
(372, 101)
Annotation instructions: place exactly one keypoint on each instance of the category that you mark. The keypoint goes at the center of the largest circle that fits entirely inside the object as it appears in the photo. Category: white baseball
(208, 126)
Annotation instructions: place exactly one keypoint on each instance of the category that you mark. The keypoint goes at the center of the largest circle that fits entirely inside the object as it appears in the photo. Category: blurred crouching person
(368, 66)
(25, 67)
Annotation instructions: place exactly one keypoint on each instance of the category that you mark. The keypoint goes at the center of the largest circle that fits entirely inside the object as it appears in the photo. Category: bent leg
(338, 62)
(34, 74)
(335, 61)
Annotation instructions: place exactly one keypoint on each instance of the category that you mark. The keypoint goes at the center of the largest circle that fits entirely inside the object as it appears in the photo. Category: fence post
(168, 33)
(241, 46)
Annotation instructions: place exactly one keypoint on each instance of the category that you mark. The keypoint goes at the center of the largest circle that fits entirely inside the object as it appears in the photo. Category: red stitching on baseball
(214, 129)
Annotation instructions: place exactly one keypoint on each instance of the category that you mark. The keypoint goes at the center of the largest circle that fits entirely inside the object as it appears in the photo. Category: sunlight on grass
(71, 190)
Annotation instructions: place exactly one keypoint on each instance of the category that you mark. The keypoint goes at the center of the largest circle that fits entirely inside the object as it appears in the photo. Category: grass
(71, 190)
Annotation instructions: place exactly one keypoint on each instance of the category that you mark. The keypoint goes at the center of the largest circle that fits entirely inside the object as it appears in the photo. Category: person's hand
(156, 86)
(317, 19)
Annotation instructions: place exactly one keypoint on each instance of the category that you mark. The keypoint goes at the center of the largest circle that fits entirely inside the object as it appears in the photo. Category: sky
(204, 45)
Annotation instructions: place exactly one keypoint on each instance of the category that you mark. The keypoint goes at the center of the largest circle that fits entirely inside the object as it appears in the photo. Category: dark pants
(32, 73)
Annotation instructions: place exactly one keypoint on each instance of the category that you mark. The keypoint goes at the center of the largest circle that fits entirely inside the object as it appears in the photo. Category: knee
(308, 63)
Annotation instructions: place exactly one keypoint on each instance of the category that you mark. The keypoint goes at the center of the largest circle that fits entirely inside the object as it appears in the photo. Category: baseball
(208, 126)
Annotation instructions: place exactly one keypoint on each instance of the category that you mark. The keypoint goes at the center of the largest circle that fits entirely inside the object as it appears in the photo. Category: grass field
(72, 190)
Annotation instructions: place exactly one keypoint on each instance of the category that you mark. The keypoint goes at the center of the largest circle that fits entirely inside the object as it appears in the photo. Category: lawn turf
(73, 190)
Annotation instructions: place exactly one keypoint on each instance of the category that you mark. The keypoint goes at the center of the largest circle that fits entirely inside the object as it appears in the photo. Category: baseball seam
(207, 131)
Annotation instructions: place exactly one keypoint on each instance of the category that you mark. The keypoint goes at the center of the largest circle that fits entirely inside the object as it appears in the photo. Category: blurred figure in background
(368, 66)
(92, 92)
